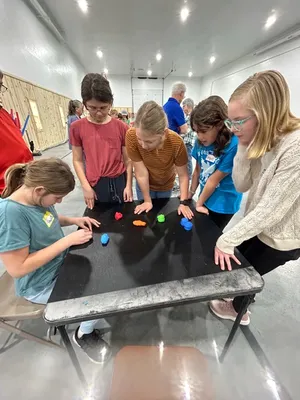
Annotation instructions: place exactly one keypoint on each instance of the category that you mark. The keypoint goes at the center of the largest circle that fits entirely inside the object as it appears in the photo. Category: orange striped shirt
(159, 162)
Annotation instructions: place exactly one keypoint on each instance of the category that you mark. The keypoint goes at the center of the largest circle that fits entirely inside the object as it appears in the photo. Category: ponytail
(73, 104)
(14, 179)
(53, 174)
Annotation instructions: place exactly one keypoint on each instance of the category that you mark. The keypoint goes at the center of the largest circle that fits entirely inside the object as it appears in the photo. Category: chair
(13, 308)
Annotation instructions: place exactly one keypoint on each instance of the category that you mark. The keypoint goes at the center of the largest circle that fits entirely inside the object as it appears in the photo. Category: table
(161, 265)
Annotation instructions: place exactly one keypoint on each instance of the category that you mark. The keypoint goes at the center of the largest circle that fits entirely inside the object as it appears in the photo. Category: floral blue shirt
(225, 199)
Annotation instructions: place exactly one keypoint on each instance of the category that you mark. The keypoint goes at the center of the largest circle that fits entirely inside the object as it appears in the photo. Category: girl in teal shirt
(214, 152)
(32, 243)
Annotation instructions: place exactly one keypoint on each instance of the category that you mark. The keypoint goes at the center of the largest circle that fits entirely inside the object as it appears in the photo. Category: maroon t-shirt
(102, 146)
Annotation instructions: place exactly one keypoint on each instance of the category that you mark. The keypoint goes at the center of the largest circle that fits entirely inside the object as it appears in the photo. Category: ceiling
(131, 32)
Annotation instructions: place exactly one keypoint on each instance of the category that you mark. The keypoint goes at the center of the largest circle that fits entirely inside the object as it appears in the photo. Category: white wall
(29, 51)
(284, 58)
(149, 89)
(121, 88)
(192, 84)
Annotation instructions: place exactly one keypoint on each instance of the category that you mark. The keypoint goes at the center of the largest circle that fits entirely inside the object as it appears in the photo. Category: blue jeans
(43, 297)
(153, 194)
(189, 149)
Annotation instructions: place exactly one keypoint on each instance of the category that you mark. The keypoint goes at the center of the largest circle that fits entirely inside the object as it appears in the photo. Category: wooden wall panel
(17, 97)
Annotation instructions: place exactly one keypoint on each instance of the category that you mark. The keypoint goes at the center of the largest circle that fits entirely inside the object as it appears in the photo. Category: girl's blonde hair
(51, 173)
(151, 118)
(267, 95)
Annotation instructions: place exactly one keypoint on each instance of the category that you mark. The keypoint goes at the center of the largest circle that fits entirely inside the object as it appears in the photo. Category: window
(62, 116)
(36, 115)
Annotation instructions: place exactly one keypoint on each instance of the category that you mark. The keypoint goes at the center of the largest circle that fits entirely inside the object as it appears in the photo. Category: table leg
(74, 359)
(245, 304)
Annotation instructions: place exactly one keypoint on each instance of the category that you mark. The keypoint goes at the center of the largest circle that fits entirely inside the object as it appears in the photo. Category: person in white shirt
(267, 165)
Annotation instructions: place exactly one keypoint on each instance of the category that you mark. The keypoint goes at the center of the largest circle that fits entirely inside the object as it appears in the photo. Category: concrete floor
(263, 362)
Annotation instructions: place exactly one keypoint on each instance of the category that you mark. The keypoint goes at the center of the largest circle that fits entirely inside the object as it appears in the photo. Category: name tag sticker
(48, 218)
(211, 158)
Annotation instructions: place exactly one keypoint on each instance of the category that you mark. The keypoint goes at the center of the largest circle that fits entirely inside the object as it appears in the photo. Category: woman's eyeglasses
(3, 88)
(236, 125)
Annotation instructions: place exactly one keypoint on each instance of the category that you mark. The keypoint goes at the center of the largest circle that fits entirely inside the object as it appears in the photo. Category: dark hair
(51, 173)
(1, 74)
(209, 113)
(95, 86)
(73, 104)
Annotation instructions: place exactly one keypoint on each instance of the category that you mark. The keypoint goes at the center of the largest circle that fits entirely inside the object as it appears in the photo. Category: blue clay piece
(104, 239)
(183, 221)
(188, 226)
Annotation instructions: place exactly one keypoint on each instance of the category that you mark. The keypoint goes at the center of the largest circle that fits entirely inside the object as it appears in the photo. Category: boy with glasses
(107, 176)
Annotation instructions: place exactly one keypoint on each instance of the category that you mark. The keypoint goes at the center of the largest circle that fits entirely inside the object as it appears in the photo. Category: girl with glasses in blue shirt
(214, 152)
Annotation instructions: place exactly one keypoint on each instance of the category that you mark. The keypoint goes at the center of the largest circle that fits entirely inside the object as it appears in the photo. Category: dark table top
(139, 258)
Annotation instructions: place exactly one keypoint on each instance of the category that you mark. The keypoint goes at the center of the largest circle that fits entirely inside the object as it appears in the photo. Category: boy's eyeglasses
(236, 125)
(3, 88)
(95, 109)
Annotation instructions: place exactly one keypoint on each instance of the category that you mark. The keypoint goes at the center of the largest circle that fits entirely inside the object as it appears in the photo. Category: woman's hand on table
(128, 195)
(86, 223)
(79, 237)
(185, 211)
(144, 207)
(223, 259)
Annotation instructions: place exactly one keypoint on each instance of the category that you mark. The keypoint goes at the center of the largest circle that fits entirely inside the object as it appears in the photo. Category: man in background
(173, 110)
(13, 148)
(189, 138)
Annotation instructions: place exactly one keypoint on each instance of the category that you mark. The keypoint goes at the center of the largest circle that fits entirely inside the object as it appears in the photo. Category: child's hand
(89, 197)
(86, 222)
(127, 194)
(79, 237)
(185, 211)
(146, 206)
(202, 210)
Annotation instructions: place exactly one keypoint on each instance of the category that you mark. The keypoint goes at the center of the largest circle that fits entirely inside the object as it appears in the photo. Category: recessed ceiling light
(184, 13)
(149, 72)
(105, 71)
(158, 56)
(99, 53)
(83, 5)
(190, 74)
(212, 59)
(270, 21)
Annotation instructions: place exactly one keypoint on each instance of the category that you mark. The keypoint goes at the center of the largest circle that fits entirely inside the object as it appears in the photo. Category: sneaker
(225, 310)
(93, 345)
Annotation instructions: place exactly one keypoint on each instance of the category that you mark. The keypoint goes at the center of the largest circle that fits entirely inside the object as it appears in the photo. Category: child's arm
(88, 192)
(210, 186)
(142, 177)
(195, 180)
(128, 163)
(82, 222)
(241, 173)
(20, 263)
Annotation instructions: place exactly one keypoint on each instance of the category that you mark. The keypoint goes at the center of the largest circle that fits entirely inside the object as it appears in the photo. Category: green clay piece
(161, 218)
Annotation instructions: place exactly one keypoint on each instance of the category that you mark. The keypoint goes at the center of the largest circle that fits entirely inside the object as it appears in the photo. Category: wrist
(86, 186)
(184, 202)
(66, 242)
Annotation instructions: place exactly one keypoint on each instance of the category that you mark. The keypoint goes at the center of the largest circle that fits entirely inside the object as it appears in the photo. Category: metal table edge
(86, 310)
